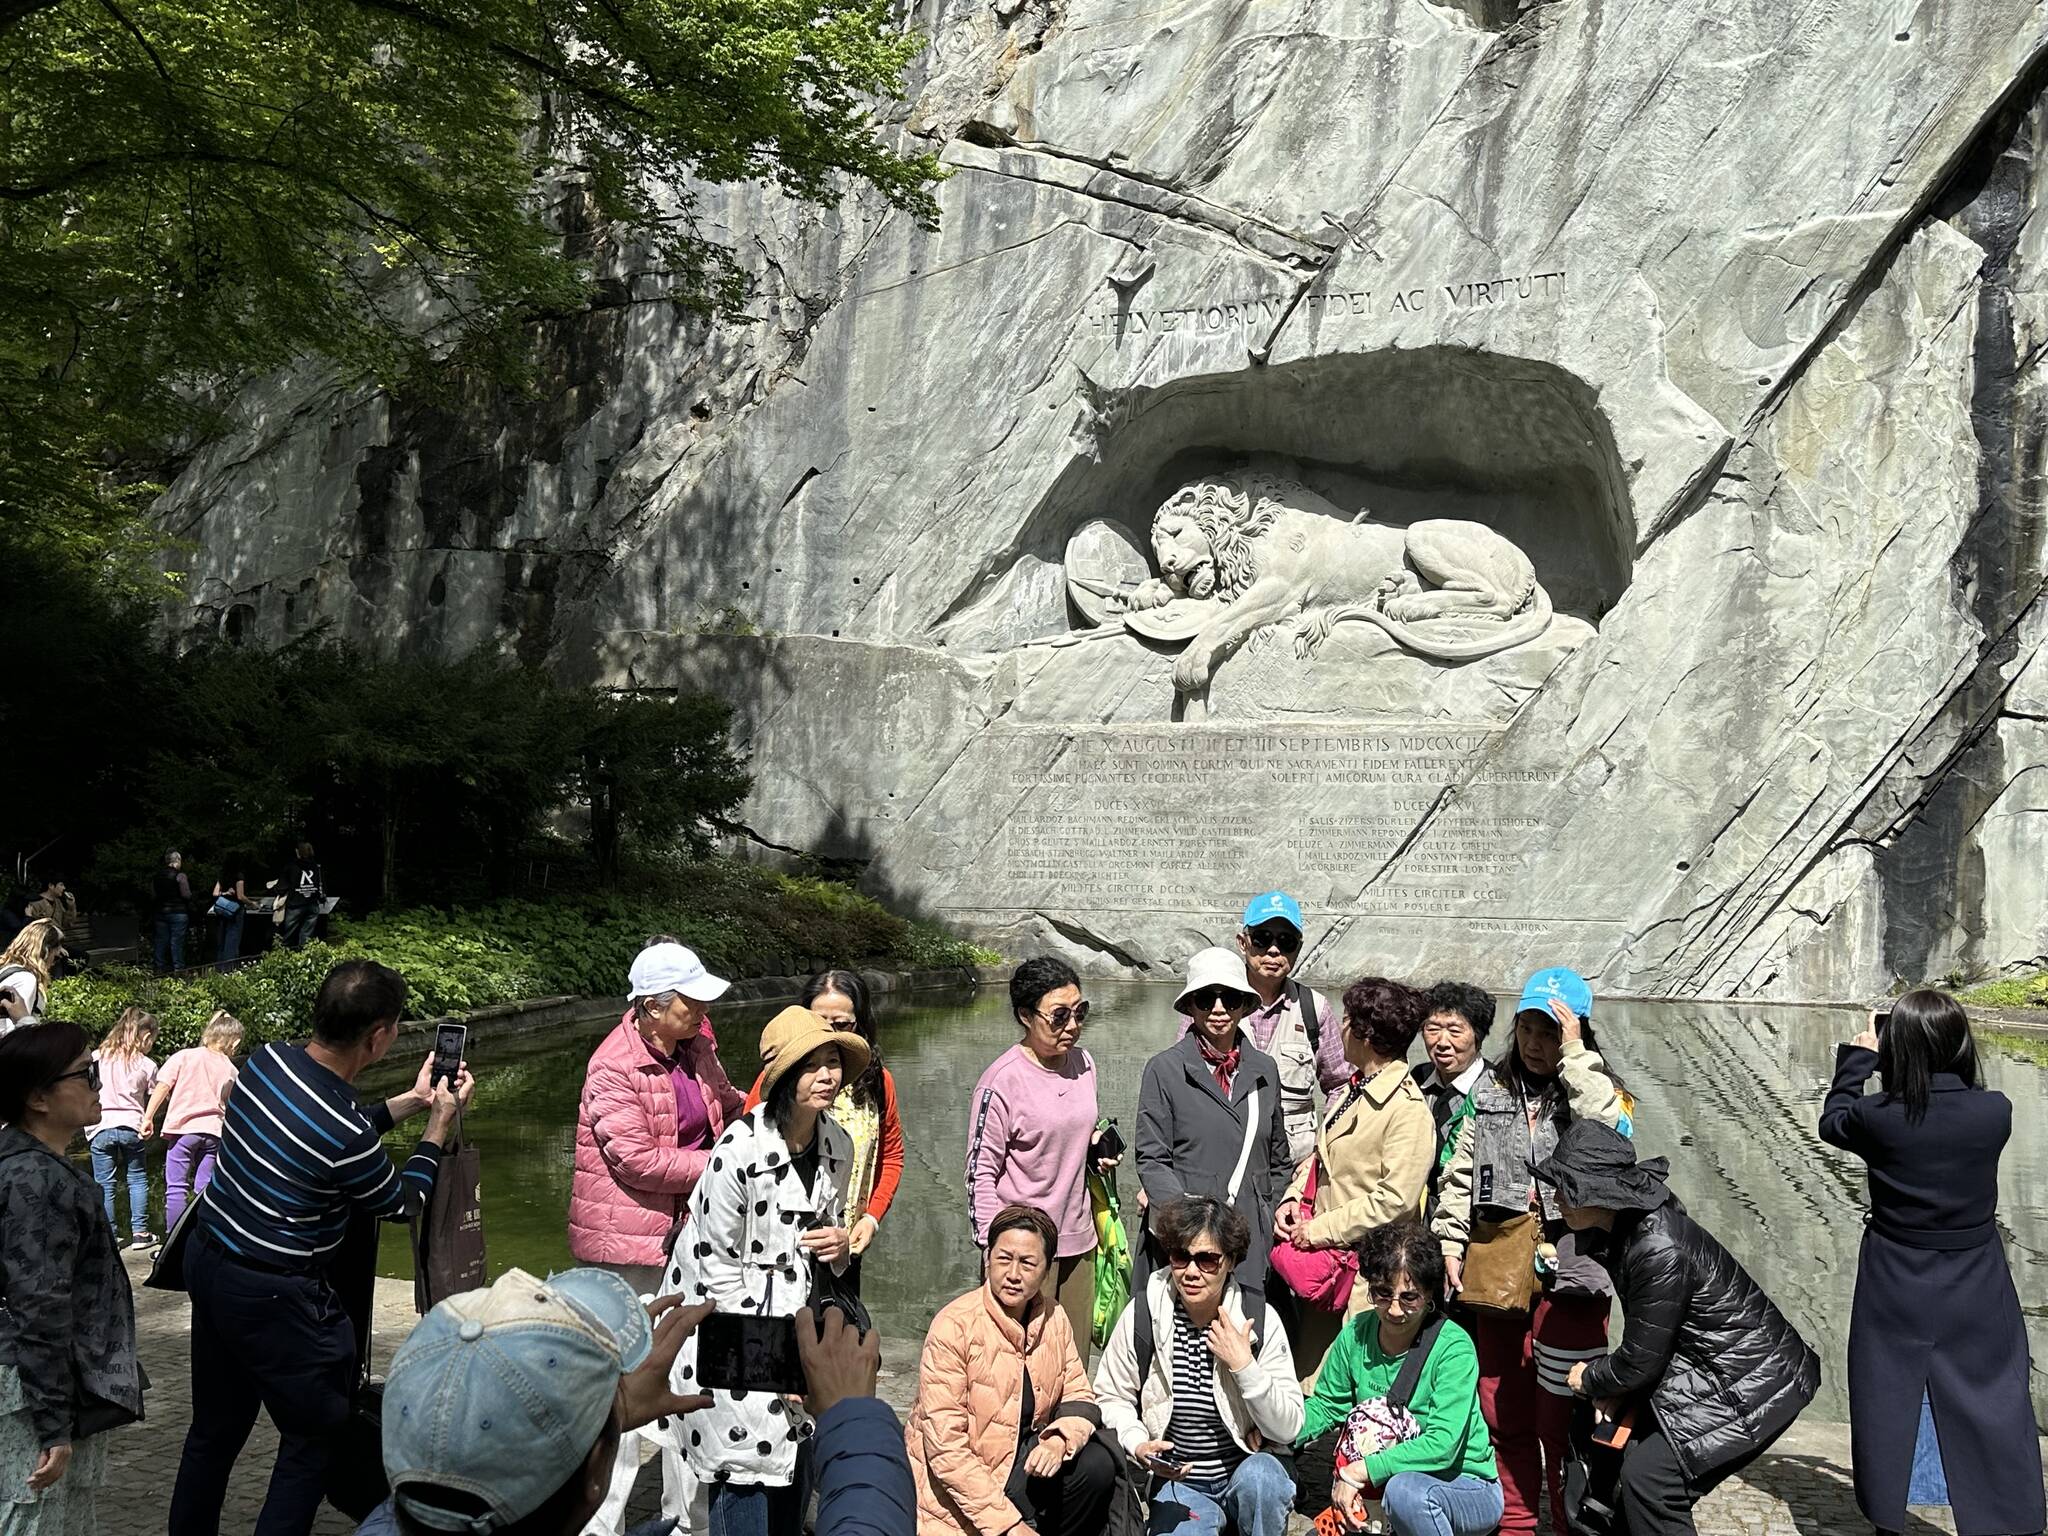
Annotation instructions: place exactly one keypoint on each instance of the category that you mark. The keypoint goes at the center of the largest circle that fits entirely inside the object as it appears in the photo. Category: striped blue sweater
(296, 1152)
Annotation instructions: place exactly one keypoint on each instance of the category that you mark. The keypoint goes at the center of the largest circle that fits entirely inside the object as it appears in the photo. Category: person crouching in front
(1001, 1438)
(1202, 1397)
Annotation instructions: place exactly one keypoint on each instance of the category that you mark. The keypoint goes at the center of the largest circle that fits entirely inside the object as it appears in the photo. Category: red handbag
(1322, 1277)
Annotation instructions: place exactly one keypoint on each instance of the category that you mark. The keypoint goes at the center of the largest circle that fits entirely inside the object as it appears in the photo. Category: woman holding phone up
(1938, 1392)
(766, 1217)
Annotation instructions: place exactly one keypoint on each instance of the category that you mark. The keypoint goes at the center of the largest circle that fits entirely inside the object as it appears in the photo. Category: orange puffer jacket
(632, 1180)
(970, 1387)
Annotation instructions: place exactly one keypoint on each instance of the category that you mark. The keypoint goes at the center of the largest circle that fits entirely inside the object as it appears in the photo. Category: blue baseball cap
(499, 1394)
(1274, 904)
(1567, 986)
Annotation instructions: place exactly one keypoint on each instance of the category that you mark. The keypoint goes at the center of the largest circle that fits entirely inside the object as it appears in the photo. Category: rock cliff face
(1550, 482)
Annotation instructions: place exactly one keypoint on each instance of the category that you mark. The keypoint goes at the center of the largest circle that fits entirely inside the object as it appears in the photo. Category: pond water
(1730, 1093)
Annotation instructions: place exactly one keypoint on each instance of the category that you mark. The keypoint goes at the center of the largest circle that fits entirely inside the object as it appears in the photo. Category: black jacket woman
(68, 1369)
(1713, 1370)
(1936, 1319)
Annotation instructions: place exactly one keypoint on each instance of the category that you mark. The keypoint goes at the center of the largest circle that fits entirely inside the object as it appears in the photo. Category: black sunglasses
(1207, 1262)
(1281, 936)
(1209, 997)
(1059, 1017)
(90, 1072)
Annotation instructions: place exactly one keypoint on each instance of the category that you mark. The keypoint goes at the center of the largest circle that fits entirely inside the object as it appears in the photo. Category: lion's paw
(1311, 632)
(1189, 674)
(1414, 608)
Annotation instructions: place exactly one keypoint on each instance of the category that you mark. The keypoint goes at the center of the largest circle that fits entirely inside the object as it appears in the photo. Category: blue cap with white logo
(1567, 986)
(1271, 906)
(499, 1394)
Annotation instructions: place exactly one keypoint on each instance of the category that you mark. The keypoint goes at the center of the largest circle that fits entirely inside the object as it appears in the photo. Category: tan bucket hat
(796, 1032)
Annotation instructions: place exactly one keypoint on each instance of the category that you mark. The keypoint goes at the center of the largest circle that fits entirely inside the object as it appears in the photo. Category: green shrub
(2013, 992)
(272, 996)
(930, 947)
(742, 920)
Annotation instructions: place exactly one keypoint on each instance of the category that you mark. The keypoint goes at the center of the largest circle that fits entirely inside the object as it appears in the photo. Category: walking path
(1800, 1489)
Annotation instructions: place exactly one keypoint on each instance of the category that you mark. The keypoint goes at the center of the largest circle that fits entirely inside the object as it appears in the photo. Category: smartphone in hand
(737, 1353)
(450, 1040)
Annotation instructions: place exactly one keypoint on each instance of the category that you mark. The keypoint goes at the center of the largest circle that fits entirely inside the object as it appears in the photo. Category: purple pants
(188, 1166)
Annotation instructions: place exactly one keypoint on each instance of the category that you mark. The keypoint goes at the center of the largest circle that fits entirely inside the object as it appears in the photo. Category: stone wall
(1546, 482)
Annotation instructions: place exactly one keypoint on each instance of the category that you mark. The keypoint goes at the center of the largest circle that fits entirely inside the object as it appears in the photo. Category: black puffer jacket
(1724, 1369)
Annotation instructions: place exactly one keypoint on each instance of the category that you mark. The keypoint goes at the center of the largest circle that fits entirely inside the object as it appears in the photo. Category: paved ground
(1801, 1489)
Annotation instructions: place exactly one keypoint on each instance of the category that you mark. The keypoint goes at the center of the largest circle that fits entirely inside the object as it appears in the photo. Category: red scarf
(1222, 1063)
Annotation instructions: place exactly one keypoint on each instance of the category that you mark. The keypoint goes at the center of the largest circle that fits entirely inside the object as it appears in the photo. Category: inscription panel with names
(1201, 817)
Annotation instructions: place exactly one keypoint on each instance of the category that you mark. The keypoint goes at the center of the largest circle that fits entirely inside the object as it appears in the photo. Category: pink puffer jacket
(632, 1181)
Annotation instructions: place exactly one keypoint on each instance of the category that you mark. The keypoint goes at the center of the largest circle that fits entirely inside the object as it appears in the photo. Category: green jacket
(1446, 1401)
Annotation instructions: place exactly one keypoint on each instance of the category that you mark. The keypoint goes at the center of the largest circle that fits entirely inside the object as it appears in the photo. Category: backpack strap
(1142, 1337)
(1308, 1005)
(1410, 1375)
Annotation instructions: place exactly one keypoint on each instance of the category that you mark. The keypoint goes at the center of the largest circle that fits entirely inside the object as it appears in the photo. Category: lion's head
(1203, 534)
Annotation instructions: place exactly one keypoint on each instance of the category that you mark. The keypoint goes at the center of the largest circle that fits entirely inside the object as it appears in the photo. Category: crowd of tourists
(1370, 1291)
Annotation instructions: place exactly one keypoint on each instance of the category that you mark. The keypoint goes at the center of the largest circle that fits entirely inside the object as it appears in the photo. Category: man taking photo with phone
(299, 1156)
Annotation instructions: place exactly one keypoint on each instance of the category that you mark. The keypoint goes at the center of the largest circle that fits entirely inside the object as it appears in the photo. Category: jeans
(260, 1340)
(113, 1152)
(1423, 1504)
(230, 947)
(299, 917)
(170, 940)
(1254, 1502)
(188, 1167)
(754, 1509)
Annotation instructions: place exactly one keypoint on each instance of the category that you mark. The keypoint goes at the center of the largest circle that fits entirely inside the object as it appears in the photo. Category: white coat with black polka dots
(739, 1249)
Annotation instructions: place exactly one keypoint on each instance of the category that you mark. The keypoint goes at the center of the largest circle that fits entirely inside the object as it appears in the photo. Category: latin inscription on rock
(1200, 818)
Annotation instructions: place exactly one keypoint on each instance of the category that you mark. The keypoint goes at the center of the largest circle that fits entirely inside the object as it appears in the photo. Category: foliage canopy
(191, 194)
(413, 777)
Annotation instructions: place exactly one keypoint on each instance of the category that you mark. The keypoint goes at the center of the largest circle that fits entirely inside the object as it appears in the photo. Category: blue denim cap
(499, 1394)
(1568, 986)
(1263, 909)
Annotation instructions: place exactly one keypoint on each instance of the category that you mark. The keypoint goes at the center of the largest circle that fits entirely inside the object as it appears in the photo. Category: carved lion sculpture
(1269, 549)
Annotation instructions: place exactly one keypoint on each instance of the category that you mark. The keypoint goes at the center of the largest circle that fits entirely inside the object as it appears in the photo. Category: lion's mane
(1233, 512)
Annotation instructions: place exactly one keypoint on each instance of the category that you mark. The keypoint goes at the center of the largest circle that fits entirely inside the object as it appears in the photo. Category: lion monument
(1239, 552)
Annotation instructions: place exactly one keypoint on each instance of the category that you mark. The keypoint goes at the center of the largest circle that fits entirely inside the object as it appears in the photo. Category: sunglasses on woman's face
(1383, 1295)
(90, 1072)
(1205, 1001)
(1281, 936)
(1208, 1261)
(1061, 1016)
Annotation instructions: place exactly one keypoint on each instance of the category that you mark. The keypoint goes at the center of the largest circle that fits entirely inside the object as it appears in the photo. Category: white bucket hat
(663, 968)
(1215, 967)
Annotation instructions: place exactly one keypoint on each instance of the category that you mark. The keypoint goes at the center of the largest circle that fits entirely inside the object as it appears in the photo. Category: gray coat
(1190, 1137)
(67, 1317)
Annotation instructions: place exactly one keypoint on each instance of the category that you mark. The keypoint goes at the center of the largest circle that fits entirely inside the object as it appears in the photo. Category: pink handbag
(1322, 1277)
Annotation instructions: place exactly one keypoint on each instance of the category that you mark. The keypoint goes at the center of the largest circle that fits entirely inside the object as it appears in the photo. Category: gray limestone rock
(1547, 482)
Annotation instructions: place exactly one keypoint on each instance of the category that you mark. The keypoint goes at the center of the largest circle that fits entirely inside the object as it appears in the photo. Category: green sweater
(1446, 1402)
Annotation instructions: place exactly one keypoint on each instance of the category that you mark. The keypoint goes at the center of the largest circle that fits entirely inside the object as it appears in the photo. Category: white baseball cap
(663, 968)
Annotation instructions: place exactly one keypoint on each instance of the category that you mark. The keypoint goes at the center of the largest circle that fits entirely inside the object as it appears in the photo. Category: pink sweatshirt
(125, 1084)
(197, 1078)
(1028, 1133)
